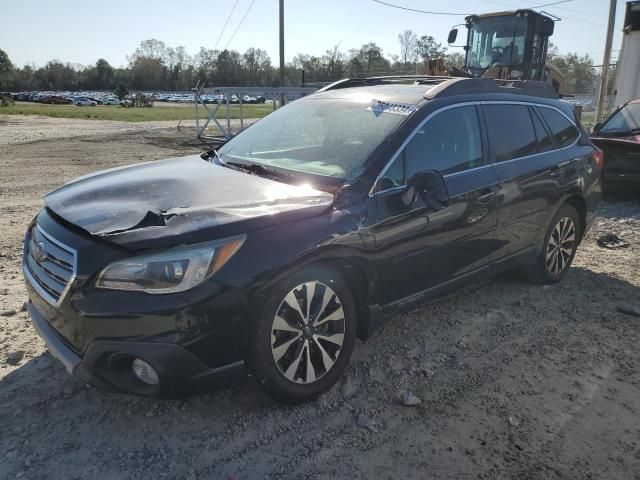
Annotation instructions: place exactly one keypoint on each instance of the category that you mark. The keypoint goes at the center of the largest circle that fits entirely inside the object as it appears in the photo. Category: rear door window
(563, 131)
(511, 131)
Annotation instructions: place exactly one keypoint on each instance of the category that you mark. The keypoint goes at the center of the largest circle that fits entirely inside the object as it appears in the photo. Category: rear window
(511, 131)
(563, 131)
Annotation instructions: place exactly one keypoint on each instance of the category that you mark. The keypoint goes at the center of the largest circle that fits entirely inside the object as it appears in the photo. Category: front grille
(49, 265)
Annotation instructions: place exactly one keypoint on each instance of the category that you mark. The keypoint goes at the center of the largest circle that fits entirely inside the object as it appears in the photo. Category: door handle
(486, 197)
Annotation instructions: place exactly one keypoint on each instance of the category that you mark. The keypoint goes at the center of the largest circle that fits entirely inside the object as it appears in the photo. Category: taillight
(598, 157)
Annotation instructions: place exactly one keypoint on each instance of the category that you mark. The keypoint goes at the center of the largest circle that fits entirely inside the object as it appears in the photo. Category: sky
(81, 31)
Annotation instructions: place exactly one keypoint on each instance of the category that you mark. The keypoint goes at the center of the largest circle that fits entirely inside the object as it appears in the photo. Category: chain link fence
(582, 87)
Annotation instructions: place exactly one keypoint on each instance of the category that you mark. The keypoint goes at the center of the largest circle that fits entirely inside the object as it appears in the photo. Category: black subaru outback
(305, 231)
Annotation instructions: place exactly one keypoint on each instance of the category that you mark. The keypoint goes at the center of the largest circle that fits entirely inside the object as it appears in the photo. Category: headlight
(172, 271)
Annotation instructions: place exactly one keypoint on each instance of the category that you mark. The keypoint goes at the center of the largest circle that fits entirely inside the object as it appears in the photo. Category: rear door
(528, 165)
(416, 248)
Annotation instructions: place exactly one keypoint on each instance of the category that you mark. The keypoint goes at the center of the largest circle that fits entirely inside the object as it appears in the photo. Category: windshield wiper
(257, 169)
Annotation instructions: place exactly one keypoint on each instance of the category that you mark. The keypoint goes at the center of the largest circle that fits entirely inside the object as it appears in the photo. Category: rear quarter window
(545, 143)
(564, 132)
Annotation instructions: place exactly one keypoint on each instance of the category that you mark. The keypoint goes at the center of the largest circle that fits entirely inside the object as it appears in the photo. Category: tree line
(155, 66)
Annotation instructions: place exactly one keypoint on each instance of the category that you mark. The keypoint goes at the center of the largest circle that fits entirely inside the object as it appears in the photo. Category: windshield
(329, 137)
(626, 119)
(496, 41)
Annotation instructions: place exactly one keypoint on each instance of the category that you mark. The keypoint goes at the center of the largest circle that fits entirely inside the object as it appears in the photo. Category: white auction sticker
(389, 107)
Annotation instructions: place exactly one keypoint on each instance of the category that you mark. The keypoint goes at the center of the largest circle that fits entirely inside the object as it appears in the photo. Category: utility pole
(604, 80)
(281, 43)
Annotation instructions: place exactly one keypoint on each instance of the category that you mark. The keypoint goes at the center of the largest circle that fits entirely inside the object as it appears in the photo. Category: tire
(295, 361)
(553, 262)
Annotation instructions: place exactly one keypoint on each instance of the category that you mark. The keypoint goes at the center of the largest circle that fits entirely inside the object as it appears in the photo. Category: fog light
(145, 372)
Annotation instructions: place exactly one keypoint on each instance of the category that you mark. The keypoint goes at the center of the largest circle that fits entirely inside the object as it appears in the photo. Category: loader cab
(507, 45)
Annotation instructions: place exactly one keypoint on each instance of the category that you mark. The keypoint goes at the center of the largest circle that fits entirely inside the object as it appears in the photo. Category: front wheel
(559, 248)
(304, 335)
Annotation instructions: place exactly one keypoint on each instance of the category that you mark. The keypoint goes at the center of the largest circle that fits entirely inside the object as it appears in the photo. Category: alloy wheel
(561, 245)
(307, 333)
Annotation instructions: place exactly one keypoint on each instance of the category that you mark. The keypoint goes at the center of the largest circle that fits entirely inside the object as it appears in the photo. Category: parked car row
(67, 98)
(188, 98)
(107, 98)
(173, 97)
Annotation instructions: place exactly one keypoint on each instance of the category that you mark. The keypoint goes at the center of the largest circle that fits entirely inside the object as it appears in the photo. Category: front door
(414, 247)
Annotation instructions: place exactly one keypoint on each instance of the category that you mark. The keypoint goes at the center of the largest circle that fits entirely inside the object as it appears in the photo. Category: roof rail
(462, 86)
(449, 86)
(391, 79)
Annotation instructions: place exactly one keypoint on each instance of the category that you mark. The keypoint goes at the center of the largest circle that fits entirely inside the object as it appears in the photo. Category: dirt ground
(515, 380)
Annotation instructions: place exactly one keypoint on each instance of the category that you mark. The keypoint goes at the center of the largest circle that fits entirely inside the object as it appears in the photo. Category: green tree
(24, 78)
(7, 72)
(334, 64)
(56, 75)
(148, 66)
(454, 59)
(408, 45)
(428, 49)
(578, 71)
(121, 91)
(368, 60)
(229, 68)
(104, 74)
(257, 62)
(204, 64)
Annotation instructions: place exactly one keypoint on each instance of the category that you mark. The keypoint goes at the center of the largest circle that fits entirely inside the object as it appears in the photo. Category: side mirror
(431, 188)
(596, 127)
(453, 34)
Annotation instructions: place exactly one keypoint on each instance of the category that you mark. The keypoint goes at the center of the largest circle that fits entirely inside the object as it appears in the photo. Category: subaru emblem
(41, 252)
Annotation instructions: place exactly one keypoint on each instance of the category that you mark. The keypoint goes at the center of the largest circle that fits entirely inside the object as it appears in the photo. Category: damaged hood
(140, 204)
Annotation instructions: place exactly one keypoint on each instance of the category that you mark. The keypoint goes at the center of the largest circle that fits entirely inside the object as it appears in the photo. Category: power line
(554, 3)
(419, 11)
(547, 5)
(226, 23)
(240, 24)
(573, 10)
(429, 12)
